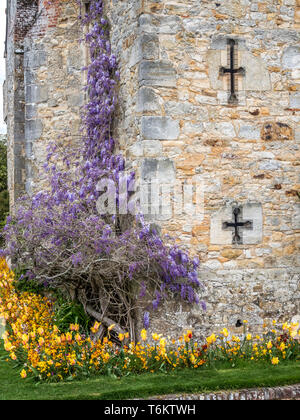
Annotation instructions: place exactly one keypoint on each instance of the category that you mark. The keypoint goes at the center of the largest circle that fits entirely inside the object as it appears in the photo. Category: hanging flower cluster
(58, 237)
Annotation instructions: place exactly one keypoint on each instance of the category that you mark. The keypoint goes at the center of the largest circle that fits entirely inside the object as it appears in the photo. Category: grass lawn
(186, 381)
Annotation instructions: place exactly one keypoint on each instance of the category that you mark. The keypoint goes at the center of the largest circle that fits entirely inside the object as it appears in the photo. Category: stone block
(152, 147)
(36, 94)
(296, 217)
(159, 24)
(220, 42)
(254, 213)
(257, 77)
(75, 100)
(270, 165)
(157, 73)
(250, 212)
(295, 100)
(147, 100)
(159, 128)
(276, 131)
(297, 134)
(149, 169)
(30, 111)
(291, 58)
(250, 132)
(166, 171)
(35, 59)
(149, 46)
(219, 236)
(33, 129)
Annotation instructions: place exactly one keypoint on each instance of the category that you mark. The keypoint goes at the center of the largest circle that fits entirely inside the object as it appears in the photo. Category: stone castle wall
(176, 122)
(44, 85)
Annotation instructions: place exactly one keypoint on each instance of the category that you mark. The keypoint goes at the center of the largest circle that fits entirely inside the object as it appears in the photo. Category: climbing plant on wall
(108, 264)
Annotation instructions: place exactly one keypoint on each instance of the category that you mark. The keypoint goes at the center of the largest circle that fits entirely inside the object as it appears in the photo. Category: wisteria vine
(57, 236)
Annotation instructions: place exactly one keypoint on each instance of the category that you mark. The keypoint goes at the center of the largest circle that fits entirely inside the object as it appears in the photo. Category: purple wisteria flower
(57, 233)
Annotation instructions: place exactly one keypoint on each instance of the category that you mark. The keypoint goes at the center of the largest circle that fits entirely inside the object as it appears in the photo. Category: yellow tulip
(293, 333)
(144, 335)
(156, 337)
(224, 332)
(96, 327)
(282, 346)
(40, 331)
(211, 339)
(269, 345)
(41, 341)
(111, 327)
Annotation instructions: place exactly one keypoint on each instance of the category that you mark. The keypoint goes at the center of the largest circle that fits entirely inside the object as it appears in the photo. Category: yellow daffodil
(23, 374)
(275, 361)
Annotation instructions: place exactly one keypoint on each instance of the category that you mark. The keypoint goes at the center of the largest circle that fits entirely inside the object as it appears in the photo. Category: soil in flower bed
(12, 387)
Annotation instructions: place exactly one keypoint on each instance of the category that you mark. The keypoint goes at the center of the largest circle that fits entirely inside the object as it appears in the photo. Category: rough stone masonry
(209, 89)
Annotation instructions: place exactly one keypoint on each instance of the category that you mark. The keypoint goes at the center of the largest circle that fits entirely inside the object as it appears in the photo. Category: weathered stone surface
(147, 100)
(251, 132)
(296, 217)
(159, 128)
(295, 100)
(157, 73)
(276, 131)
(257, 77)
(221, 236)
(291, 58)
(254, 213)
(149, 169)
(166, 171)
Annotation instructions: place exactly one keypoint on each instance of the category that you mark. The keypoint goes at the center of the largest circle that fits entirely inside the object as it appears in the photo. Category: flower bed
(34, 341)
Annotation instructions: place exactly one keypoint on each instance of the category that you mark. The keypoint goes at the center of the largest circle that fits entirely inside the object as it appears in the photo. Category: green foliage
(30, 286)
(12, 387)
(68, 312)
